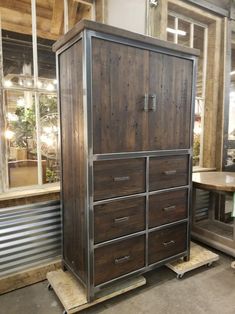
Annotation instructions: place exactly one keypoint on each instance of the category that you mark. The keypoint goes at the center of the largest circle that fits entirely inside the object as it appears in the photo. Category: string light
(8, 83)
(9, 134)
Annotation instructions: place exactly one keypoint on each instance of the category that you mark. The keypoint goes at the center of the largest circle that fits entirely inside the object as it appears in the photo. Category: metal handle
(121, 219)
(169, 208)
(169, 172)
(154, 102)
(118, 179)
(122, 259)
(168, 243)
(146, 102)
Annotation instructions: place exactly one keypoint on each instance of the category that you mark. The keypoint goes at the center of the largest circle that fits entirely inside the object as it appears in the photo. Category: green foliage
(25, 127)
(196, 149)
(50, 175)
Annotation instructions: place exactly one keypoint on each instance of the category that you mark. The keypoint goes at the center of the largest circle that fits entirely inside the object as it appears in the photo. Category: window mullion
(36, 95)
(3, 148)
(176, 29)
(191, 35)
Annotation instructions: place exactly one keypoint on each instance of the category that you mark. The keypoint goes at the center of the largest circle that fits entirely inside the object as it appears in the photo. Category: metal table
(207, 224)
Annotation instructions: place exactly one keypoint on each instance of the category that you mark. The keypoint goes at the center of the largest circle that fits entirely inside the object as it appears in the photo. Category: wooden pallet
(72, 294)
(199, 256)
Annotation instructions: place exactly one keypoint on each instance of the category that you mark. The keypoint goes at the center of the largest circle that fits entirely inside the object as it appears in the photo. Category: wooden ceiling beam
(57, 16)
(27, 30)
(25, 8)
(73, 7)
(88, 2)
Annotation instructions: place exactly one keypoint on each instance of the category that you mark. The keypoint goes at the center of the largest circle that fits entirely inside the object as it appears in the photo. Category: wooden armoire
(126, 108)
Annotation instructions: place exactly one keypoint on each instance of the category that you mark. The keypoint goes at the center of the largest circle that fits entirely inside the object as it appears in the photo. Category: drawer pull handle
(121, 219)
(118, 179)
(154, 102)
(146, 102)
(122, 259)
(169, 172)
(168, 243)
(169, 208)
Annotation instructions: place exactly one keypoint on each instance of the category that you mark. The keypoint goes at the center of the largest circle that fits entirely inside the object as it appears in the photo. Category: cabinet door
(119, 83)
(171, 84)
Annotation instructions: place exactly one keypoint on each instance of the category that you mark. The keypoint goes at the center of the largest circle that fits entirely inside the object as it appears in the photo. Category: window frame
(194, 23)
(36, 92)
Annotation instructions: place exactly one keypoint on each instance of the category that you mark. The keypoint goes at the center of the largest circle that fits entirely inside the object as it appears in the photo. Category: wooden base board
(72, 294)
(27, 277)
(199, 256)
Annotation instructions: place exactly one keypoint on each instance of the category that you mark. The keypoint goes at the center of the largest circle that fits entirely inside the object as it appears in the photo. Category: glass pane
(21, 138)
(17, 59)
(231, 121)
(231, 158)
(49, 138)
(170, 28)
(17, 46)
(46, 61)
(198, 43)
(49, 28)
(183, 33)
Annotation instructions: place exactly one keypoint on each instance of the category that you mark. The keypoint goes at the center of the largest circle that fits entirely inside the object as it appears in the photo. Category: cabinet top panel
(107, 29)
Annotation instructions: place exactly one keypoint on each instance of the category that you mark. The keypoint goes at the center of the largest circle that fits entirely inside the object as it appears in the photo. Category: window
(187, 32)
(229, 138)
(28, 89)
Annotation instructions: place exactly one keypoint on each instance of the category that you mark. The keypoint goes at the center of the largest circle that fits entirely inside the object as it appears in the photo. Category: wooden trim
(212, 94)
(107, 29)
(101, 10)
(29, 193)
(157, 20)
(27, 277)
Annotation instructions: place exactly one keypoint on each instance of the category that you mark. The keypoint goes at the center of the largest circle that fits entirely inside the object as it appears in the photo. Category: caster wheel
(209, 265)
(180, 276)
(49, 287)
(233, 265)
(64, 268)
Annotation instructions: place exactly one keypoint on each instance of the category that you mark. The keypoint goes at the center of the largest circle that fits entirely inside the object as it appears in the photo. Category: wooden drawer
(167, 172)
(114, 178)
(119, 218)
(167, 242)
(117, 259)
(167, 207)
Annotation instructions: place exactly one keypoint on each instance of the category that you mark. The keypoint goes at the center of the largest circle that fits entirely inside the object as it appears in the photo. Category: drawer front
(119, 218)
(167, 172)
(114, 178)
(167, 207)
(117, 259)
(167, 242)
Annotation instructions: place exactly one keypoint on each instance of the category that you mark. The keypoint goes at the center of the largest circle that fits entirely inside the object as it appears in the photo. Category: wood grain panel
(119, 218)
(171, 81)
(72, 143)
(167, 207)
(114, 178)
(117, 259)
(167, 242)
(167, 172)
(120, 81)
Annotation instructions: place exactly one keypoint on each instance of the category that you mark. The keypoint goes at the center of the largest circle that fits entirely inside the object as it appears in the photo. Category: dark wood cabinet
(126, 108)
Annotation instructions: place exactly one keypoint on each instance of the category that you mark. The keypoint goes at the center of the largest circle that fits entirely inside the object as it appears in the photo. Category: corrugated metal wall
(29, 235)
(202, 204)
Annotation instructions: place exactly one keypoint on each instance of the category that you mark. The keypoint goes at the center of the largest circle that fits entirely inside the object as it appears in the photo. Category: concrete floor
(205, 290)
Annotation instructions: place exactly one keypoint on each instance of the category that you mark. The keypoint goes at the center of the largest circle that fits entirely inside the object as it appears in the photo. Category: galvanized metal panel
(29, 235)
(202, 204)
